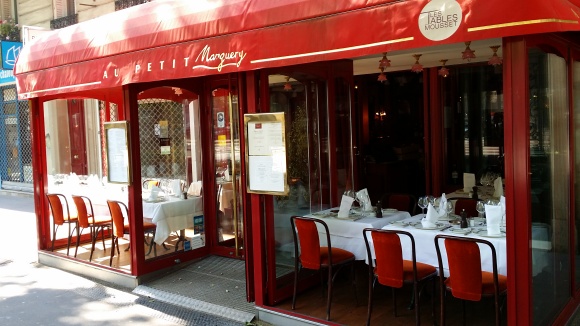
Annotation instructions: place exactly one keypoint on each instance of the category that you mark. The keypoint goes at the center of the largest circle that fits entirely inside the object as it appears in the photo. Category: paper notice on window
(264, 137)
(118, 155)
(267, 173)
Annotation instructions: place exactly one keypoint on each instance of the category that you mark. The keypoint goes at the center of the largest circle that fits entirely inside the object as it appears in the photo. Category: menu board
(266, 153)
(117, 149)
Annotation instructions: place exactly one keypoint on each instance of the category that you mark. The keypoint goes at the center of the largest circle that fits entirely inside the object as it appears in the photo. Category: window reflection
(549, 164)
(473, 123)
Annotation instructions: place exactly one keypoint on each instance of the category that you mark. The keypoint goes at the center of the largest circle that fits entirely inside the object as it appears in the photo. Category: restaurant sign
(205, 59)
(440, 19)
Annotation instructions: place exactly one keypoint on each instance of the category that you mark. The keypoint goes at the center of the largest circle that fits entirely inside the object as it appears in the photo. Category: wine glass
(423, 202)
(449, 208)
(480, 207)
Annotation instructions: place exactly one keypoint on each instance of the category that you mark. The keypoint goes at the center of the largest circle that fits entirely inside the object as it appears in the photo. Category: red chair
(390, 269)
(60, 216)
(310, 255)
(466, 279)
(87, 219)
(120, 228)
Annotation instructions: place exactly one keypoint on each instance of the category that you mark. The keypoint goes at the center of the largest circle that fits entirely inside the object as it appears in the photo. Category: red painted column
(517, 170)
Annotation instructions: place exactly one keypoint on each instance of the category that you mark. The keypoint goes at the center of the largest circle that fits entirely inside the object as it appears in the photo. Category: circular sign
(440, 19)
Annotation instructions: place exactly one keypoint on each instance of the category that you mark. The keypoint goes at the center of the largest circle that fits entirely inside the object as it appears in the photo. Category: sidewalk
(32, 294)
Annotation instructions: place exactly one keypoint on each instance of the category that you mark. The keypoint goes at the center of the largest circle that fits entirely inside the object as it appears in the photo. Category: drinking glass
(423, 203)
(449, 208)
(480, 207)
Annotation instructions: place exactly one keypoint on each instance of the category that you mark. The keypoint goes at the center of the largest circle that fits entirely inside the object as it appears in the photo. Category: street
(32, 294)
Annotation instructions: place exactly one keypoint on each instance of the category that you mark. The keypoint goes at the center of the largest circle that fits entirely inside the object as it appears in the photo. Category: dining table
(347, 233)
(425, 242)
(172, 214)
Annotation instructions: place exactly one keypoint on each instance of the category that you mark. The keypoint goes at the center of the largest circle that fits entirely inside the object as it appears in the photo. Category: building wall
(35, 13)
(95, 9)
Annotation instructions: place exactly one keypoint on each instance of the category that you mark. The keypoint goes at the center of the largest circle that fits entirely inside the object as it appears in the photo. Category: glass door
(226, 159)
(549, 161)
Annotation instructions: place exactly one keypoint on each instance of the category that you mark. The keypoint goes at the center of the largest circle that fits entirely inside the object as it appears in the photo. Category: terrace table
(346, 233)
(172, 214)
(425, 245)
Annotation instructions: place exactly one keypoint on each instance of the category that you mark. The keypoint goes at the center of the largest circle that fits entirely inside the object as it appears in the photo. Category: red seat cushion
(486, 286)
(339, 256)
(487, 281)
(423, 270)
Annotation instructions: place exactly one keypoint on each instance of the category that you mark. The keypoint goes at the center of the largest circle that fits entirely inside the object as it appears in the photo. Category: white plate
(459, 230)
(451, 217)
(400, 223)
(483, 233)
(420, 226)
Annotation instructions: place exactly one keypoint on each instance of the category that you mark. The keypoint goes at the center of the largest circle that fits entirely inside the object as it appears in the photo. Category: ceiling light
(468, 53)
(443, 72)
(495, 60)
(417, 67)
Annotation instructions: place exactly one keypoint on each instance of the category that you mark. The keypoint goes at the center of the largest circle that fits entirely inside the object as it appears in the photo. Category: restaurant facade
(179, 78)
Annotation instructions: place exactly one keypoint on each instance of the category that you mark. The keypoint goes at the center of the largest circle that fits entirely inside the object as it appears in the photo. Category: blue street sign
(6, 76)
(10, 52)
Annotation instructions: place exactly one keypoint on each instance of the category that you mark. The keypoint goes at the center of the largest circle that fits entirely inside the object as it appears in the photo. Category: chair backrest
(464, 261)
(306, 241)
(117, 216)
(400, 202)
(469, 204)
(56, 207)
(388, 260)
(82, 212)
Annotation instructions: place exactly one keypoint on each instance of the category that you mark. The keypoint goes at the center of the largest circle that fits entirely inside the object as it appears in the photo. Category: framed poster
(117, 150)
(266, 153)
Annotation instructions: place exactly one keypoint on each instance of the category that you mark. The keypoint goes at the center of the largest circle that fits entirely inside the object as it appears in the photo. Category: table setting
(436, 220)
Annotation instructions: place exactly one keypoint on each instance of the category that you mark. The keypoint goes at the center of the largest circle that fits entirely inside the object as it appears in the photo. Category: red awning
(172, 39)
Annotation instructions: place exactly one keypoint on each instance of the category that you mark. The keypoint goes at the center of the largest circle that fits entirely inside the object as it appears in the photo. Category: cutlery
(445, 228)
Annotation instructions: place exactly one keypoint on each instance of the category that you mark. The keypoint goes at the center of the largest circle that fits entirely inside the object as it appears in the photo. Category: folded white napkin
(431, 218)
(345, 205)
(502, 204)
(442, 204)
(154, 192)
(363, 197)
(227, 173)
(493, 216)
(498, 187)
(194, 189)
(176, 187)
(468, 182)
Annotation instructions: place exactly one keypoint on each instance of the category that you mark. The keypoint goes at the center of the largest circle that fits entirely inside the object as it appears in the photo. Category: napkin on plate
(431, 218)
(194, 189)
(176, 187)
(363, 197)
(498, 187)
(468, 182)
(154, 192)
(345, 205)
(493, 216)
(502, 204)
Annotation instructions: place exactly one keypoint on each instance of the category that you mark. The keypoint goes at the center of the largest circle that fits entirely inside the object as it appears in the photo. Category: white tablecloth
(174, 214)
(347, 234)
(426, 253)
